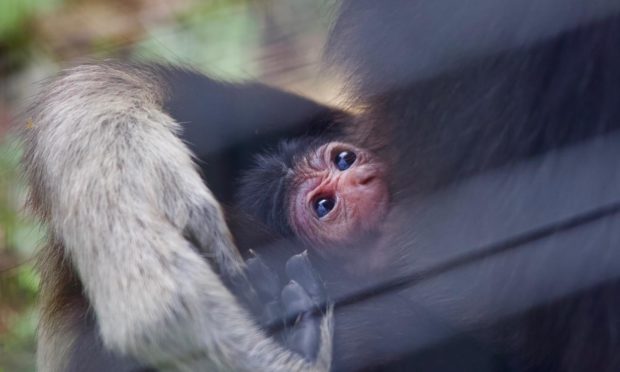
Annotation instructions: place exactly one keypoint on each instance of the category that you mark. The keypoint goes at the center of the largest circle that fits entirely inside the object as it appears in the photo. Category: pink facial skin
(360, 197)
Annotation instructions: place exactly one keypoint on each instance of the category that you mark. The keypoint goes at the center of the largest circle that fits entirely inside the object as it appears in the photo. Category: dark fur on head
(265, 189)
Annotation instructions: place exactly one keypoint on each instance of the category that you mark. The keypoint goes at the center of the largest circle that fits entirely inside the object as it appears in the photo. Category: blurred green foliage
(223, 42)
(15, 22)
(14, 14)
(18, 234)
(18, 281)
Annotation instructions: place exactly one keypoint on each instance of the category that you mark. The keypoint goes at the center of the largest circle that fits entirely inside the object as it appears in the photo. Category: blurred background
(277, 42)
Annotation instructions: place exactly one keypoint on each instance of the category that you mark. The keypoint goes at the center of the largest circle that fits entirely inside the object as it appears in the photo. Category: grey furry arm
(119, 192)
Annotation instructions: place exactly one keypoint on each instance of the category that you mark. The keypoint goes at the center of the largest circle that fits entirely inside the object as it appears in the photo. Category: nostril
(366, 179)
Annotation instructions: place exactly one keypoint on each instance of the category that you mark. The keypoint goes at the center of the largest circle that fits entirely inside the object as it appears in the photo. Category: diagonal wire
(482, 253)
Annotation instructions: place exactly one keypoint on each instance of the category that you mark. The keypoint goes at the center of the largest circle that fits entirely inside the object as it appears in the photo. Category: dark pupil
(345, 159)
(323, 206)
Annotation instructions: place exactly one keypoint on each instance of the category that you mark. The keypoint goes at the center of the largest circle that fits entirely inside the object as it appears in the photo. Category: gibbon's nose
(360, 178)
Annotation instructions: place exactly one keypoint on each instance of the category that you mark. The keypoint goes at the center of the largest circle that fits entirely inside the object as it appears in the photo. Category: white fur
(118, 187)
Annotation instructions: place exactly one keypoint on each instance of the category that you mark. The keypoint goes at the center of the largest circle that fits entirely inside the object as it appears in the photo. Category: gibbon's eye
(324, 205)
(345, 159)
